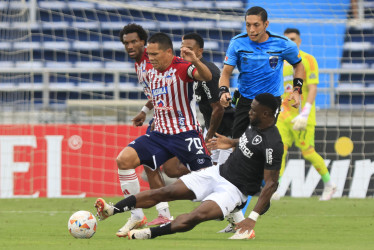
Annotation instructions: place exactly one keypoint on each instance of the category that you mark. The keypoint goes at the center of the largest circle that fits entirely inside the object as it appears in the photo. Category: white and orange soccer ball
(82, 225)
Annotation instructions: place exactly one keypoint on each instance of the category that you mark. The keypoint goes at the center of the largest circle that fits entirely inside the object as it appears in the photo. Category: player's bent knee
(127, 159)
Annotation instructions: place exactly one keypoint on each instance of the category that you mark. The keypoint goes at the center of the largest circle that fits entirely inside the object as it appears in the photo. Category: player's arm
(202, 72)
(299, 75)
(221, 142)
(224, 85)
(139, 119)
(215, 119)
(263, 202)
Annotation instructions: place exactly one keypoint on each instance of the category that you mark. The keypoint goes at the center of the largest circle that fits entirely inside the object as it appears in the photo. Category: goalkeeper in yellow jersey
(298, 126)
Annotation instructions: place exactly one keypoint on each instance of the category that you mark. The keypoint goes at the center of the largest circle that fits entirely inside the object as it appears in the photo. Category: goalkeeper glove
(301, 120)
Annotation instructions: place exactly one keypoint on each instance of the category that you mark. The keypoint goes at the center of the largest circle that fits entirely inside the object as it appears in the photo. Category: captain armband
(298, 85)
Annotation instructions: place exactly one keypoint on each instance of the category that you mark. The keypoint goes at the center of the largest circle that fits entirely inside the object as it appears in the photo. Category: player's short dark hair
(194, 36)
(163, 40)
(268, 100)
(292, 30)
(134, 28)
(258, 11)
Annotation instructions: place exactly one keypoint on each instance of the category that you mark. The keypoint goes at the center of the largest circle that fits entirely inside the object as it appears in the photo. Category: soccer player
(298, 126)
(134, 38)
(207, 94)
(176, 131)
(216, 118)
(257, 156)
(259, 55)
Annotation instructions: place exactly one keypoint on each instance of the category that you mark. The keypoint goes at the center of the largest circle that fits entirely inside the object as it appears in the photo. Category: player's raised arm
(202, 72)
(224, 85)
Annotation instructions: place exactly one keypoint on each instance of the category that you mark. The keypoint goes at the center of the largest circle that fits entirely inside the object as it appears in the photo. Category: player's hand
(246, 224)
(225, 99)
(296, 97)
(219, 142)
(139, 119)
(188, 55)
(300, 122)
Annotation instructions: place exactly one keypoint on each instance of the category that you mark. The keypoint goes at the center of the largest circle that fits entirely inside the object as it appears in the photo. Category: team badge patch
(257, 140)
(273, 61)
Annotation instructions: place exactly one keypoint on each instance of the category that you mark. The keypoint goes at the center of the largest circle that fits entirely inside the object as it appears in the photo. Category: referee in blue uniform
(259, 56)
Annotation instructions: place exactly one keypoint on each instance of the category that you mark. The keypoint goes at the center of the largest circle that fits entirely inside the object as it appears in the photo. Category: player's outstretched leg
(208, 210)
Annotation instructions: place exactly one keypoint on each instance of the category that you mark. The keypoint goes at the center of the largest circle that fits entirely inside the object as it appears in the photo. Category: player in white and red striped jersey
(172, 91)
(177, 132)
(134, 38)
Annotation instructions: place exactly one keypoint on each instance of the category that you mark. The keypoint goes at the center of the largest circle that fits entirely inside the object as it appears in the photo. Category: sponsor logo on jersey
(243, 146)
(181, 119)
(273, 61)
(257, 140)
(226, 58)
(269, 156)
(160, 91)
(288, 78)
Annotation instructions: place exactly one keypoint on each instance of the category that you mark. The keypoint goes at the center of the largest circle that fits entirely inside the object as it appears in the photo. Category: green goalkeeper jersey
(311, 71)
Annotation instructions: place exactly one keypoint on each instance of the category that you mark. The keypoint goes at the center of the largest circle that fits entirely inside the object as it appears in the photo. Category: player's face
(256, 28)
(192, 45)
(255, 113)
(294, 37)
(133, 45)
(160, 59)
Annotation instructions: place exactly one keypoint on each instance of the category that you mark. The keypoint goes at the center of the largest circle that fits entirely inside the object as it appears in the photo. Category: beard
(254, 122)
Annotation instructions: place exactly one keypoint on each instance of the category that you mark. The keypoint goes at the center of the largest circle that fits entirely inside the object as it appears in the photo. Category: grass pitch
(289, 224)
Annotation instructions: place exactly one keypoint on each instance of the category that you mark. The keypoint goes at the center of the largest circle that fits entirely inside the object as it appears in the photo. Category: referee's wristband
(223, 89)
(253, 215)
(298, 85)
(145, 109)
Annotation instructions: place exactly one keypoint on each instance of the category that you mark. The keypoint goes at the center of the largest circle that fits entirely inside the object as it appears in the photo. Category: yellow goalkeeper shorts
(302, 139)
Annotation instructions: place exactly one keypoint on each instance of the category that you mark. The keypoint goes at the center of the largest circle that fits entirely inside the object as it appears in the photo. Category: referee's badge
(273, 61)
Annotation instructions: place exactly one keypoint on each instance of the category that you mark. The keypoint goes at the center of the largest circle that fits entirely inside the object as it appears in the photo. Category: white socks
(130, 186)
(238, 216)
(163, 209)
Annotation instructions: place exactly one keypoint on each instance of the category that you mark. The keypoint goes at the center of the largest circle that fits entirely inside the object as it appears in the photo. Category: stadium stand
(76, 43)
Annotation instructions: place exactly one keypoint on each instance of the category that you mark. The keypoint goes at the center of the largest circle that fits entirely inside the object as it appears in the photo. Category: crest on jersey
(257, 140)
(168, 80)
(273, 61)
(201, 161)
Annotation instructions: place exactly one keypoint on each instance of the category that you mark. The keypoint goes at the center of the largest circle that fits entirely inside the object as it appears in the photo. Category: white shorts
(208, 184)
(220, 155)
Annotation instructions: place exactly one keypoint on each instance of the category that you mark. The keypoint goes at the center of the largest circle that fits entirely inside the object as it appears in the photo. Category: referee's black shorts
(241, 116)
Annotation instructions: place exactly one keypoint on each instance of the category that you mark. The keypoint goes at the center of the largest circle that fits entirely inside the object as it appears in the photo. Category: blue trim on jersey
(261, 64)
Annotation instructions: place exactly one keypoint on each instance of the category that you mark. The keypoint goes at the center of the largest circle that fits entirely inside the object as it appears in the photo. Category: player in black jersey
(223, 188)
(216, 117)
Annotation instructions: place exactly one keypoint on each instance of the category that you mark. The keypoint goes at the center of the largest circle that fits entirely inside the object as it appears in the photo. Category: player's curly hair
(134, 28)
(268, 100)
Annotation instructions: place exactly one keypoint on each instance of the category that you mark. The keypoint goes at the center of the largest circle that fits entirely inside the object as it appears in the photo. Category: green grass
(289, 224)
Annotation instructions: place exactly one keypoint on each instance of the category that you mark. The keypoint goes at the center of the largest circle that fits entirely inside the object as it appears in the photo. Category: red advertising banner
(63, 160)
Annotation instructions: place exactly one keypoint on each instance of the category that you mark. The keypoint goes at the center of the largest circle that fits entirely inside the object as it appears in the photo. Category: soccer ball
(82, 225)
